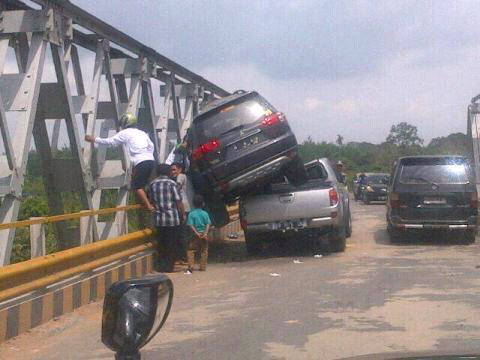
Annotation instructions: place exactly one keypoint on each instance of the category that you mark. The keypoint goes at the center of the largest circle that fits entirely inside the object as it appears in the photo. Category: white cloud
(433, 98)
(312, 103)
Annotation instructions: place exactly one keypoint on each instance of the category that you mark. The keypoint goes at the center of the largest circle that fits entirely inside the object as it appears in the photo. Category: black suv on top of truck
(238, 142)
(432, 193)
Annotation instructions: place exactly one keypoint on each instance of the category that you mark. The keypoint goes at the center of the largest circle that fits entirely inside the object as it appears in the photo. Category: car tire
(338, 240)
(217, 209)
(349, 227)
(365, 199)
(469, 237)
(393, 234)
(295, 172)
(252, 243)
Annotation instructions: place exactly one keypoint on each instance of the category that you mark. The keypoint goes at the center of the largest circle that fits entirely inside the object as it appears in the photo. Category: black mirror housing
(133, 312)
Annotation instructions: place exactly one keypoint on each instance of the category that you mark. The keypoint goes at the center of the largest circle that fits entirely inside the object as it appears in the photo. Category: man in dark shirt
(168, 216)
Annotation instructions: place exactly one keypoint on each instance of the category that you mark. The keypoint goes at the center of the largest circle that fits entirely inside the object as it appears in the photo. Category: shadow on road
(226, 252)
(445, 238)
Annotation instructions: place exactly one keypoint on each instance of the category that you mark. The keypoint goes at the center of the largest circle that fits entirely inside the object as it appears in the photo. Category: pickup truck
(316, 210)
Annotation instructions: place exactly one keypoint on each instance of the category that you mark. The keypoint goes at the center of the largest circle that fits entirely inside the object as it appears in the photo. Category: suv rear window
(377, 179)
(435, 170)
(241, 112)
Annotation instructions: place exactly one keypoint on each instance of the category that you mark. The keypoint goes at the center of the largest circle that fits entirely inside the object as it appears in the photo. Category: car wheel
(349, 225)
(365, 199)
(253, 243)
(295, 172)
(469, 237)
(393, 234)
(338, 240)
(217, 210)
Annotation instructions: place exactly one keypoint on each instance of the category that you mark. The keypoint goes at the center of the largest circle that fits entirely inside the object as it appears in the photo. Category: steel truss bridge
(125, 76)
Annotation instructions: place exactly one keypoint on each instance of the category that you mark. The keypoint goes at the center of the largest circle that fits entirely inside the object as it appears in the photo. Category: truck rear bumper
(295, 225)
(467, 224)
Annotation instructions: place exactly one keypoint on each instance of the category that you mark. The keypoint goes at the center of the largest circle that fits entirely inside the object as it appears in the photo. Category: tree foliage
(404, 135)
(364, 156)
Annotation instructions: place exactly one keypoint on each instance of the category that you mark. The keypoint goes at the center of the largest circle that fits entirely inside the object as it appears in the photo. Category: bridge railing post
(86, 229)
(37, 239)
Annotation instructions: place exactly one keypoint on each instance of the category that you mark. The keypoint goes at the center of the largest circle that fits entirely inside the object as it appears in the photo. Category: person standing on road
(199, 223)
(140, 150)
(181, 179)
(168, 217)
(341, 171)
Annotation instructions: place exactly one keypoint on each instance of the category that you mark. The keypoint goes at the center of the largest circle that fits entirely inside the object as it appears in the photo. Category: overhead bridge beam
(106, 31)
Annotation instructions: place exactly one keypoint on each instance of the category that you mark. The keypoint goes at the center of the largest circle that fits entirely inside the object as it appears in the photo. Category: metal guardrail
(22, 278)
(57, 218)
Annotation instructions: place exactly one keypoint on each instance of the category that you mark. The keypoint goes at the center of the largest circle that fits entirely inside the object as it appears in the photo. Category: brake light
(474, 200)
(394, 200)
(206, 148)
(332, 193)
(273, 119)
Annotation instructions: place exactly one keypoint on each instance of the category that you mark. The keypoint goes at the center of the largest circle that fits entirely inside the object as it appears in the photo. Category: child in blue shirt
(199, 222)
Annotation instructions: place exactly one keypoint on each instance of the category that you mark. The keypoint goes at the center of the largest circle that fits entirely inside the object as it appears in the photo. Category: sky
(336, 67)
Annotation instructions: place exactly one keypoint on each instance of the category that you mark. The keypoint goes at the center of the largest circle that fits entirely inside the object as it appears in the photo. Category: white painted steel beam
(128, 69)
(29, 89)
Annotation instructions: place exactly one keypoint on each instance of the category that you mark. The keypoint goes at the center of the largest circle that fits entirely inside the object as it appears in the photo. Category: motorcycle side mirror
(133, 312)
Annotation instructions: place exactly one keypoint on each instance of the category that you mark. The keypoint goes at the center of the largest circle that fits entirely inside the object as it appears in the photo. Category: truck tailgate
(287, 205)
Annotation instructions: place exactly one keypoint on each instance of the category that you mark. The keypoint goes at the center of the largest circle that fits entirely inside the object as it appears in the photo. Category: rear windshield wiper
(422, 179)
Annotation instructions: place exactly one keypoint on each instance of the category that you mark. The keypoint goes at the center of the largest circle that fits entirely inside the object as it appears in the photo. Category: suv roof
(433, 157)
(224, 100)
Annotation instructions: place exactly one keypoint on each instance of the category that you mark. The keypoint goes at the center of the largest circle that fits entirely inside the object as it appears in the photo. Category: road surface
(423, 295)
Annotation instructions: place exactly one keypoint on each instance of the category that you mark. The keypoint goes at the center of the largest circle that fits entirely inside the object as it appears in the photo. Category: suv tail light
(333, 197)
(474, 200)
(274, 119)
(394, 200)
(206, 148)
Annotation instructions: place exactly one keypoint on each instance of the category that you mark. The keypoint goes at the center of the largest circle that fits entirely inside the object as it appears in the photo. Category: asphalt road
(375, 298)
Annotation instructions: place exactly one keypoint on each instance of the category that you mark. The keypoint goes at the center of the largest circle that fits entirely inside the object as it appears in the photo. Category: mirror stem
(136, 356)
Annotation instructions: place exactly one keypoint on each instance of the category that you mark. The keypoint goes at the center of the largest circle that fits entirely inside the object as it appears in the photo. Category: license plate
(245, 143)
(434, 201)
(289, 225)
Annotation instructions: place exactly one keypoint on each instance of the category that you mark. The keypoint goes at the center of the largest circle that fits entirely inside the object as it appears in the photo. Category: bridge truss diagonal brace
(174, 94)
(30, 89)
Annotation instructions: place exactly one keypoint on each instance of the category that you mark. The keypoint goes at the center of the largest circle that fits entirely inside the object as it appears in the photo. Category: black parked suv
(373, 187)
(238, 142)
(432, 193)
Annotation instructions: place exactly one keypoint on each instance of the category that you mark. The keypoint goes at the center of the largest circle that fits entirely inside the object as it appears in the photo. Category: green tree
(404, 135)
(454, 144)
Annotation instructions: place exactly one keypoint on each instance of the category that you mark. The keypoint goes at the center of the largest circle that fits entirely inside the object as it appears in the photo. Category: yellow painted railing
(21, 278)
(63, 217)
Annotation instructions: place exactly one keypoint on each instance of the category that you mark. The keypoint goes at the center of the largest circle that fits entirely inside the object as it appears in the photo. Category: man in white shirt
(140, 149)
